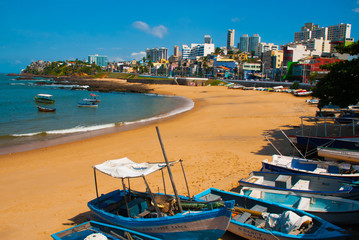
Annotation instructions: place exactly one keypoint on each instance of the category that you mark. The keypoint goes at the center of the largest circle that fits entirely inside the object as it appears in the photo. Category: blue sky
(122, 30)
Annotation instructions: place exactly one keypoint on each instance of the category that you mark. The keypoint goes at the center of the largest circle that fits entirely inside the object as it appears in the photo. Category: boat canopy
(126, 168)
(44, 95)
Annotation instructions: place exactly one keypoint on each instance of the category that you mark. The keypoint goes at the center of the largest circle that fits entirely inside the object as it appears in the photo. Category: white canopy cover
(126, 168)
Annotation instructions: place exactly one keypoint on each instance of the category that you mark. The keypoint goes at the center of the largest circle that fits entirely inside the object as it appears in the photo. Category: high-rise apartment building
(185, 51)
(340, 31)
(243, 43)
(254, 42)
(207, 39)
(98, 60)
(230, 39)
(309, 31)
(156, 54)
(176, 51)
(264, 47)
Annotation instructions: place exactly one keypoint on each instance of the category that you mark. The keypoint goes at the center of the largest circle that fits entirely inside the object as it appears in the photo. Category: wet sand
(220, 141)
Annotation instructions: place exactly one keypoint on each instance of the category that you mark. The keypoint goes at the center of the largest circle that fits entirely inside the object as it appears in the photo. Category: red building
(317, 62)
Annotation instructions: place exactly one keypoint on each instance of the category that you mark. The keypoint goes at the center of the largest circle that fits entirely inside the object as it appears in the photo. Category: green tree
(341, 85)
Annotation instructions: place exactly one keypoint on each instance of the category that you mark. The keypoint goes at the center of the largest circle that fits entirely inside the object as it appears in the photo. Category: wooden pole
(124, 194)
(152, 197)
(185, 179)
(169, 171)
(94, 173)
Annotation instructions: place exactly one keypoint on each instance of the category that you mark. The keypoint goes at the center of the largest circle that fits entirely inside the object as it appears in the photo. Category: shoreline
(49, 140)
(220, 141)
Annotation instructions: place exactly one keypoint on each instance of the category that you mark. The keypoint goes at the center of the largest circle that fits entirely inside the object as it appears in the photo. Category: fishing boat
(302, 183)
(302, 93)
(93, 230)
(309, 144)
(87, 104)
(257, 219)
(339, 154)
(160, 215)
(45, 109)
(93, 98)
(281, 163)
(336, 210)
(44, 98)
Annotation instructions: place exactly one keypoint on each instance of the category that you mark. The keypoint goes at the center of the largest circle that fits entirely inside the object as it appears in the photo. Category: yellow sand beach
(220, 141)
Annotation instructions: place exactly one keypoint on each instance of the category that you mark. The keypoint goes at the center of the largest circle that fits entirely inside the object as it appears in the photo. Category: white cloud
(355, 10)
(138, 55)
(235, 19)
(157, 31)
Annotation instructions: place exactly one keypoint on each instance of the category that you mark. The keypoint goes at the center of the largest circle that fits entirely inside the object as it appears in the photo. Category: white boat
(300, 165)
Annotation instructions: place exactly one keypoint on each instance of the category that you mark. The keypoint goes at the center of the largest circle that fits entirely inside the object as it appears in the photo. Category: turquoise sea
(21, 123)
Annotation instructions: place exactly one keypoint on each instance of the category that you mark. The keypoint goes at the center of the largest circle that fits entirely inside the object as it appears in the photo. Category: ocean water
(21, 122)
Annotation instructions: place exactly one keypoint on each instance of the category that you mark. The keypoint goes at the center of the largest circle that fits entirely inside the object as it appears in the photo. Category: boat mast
(169, 171)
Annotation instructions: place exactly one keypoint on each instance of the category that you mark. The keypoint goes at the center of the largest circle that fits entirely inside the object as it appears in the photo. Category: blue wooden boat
(93, 230)
(159, 215)
(322, 168)
(336, 210)
(257, 219)
(302, 183)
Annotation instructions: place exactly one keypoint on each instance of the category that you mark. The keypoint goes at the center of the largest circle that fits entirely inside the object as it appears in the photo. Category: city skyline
(68, 30)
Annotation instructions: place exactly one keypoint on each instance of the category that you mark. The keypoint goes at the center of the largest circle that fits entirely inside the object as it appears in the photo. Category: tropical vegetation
(341, 85)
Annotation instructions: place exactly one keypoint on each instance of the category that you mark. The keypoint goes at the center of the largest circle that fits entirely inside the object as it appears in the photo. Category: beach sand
(220, 141)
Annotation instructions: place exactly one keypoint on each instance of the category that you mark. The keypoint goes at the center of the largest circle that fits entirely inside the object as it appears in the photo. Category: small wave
(186, 107)
(66, 86)
(81, 129)
(14, 84)
(28, 134)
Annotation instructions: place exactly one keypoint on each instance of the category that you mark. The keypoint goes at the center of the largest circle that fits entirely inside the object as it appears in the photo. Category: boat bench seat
(301, 185)
(245, 217)
(211, 197)
(304, 203)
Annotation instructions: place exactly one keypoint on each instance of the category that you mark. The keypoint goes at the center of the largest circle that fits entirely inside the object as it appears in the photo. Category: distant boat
(93, 98)
(46, 109)
(336, 210)
(312, 101)
(302, 183)
(93, 230)
(306, 166)
(44, 98)
(87, 104)
(257, 219)
(302, 93)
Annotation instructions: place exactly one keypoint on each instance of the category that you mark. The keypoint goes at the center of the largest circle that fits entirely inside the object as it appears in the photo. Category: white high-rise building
(230, 39)
(264, 47)
(197, 50)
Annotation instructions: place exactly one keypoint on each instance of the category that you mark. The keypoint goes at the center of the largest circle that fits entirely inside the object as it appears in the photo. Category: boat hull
(309, 144)
(93, 229)
(339, 154)
(210, 224)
